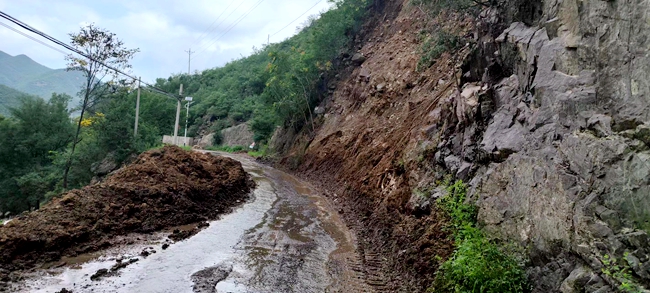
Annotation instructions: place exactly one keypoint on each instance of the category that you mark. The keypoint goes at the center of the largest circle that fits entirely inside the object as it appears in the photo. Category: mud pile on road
(162, 188)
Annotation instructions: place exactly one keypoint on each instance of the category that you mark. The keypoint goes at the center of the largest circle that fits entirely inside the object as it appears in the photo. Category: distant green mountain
(26, 75)
(9, 98)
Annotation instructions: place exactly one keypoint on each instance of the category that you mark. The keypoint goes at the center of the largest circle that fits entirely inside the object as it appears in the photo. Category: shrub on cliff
(477, 264)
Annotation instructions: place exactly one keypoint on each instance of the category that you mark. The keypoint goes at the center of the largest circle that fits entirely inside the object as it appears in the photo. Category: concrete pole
(187, 115)
(137, 110)
(178, 115)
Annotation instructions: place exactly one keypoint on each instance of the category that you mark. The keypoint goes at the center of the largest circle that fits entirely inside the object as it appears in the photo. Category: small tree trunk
(304, 90)
(68, 164)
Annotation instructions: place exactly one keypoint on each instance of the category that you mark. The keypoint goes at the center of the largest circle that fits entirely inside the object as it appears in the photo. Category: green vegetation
(621, 272)
(9, 98)
(227, 149)
(477, 264)
(25, 75)
(37, 141)
(262, 152)
(435, 7)
(103, 48)
(437, 40)
(36, 132)
(277, 85)
(44, 153)
(435, 44)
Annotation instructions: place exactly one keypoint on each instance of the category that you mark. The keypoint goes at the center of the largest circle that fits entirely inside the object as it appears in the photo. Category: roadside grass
(225, 148)
(477, 264)
(261, 152)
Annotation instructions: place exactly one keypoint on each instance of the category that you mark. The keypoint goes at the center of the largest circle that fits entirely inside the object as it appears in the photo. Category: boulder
(358, 59)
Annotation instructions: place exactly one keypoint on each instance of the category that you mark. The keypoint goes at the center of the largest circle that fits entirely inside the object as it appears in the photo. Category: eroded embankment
(542, 110)
(360, 150)
(162, 188)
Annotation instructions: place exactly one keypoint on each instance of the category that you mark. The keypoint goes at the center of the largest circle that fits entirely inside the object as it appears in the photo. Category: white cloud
(162, 29)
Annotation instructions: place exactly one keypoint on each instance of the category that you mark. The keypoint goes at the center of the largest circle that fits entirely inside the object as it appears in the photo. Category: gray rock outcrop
(564, 157)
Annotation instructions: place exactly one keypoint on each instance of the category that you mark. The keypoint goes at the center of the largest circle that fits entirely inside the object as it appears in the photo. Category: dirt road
(286, 239)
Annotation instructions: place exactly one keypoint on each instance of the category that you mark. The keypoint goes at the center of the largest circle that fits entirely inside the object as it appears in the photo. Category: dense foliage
(34, 134)
(277, 85)
(9, 98)
(477, 264)
(37, 141)
(25, 75)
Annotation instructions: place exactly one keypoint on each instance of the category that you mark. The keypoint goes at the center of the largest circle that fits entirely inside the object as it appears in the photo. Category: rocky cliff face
(546, 114)
(571, 183)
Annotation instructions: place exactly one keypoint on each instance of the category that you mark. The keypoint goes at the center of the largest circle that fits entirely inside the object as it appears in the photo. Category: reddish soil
(162, 188)
(367, 149)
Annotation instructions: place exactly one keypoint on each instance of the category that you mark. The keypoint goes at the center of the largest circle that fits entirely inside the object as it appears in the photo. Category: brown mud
(367, 149)
(161, 189)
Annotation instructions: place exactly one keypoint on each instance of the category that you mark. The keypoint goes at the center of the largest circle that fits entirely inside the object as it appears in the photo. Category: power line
(70, 48)
(32, 38)
(310, 8)
(207, 31)
(236, 8)
(232, 25)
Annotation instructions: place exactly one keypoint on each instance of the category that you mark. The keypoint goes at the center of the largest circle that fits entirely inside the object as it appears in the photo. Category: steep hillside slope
(24, 74)
(14, 68)
(545, 113)
(9, 98)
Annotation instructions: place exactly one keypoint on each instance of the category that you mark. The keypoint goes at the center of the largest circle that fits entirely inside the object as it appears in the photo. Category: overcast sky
(162, 29)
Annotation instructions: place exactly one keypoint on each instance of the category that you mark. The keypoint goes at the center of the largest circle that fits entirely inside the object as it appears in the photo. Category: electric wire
(231, 26)
(310, 8)
(70, 48)
(210, 29)
(32, 38)
(221, 22)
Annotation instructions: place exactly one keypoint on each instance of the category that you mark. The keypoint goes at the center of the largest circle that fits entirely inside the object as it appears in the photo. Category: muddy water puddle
(286, 239)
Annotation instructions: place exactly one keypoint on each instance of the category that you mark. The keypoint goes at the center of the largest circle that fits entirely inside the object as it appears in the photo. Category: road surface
(286, 239)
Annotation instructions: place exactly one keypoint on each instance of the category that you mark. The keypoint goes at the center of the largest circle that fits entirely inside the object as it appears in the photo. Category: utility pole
(268, 40)
(189, 59)
(137, 110)
(187, 115)
(178, 115)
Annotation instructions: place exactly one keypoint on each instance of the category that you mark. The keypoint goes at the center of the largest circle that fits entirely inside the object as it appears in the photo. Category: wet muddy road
(286, 239)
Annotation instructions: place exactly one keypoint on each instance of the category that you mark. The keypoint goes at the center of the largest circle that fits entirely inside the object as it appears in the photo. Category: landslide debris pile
(162, 188)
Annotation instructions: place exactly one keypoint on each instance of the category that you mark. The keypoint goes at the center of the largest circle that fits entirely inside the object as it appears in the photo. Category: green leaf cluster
(621, 272)
(436, 44)
(32, 136)
(477, 264)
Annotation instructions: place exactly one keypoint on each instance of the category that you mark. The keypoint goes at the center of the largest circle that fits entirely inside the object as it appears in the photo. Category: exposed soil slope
(362, 150)
(544, 114)
(162, 188)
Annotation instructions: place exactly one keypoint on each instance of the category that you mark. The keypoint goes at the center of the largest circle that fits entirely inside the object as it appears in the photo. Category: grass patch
(227, 149)
(434, 45)
(261, 152)
(435, 7)
(477, 264)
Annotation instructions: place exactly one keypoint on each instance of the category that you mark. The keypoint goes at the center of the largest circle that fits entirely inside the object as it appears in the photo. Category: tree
(32, 136)
(103, 48)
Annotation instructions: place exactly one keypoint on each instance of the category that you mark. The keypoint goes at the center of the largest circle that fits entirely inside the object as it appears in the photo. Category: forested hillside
(277, 85)
(26, 75)
(37, 136)
(9, 98)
